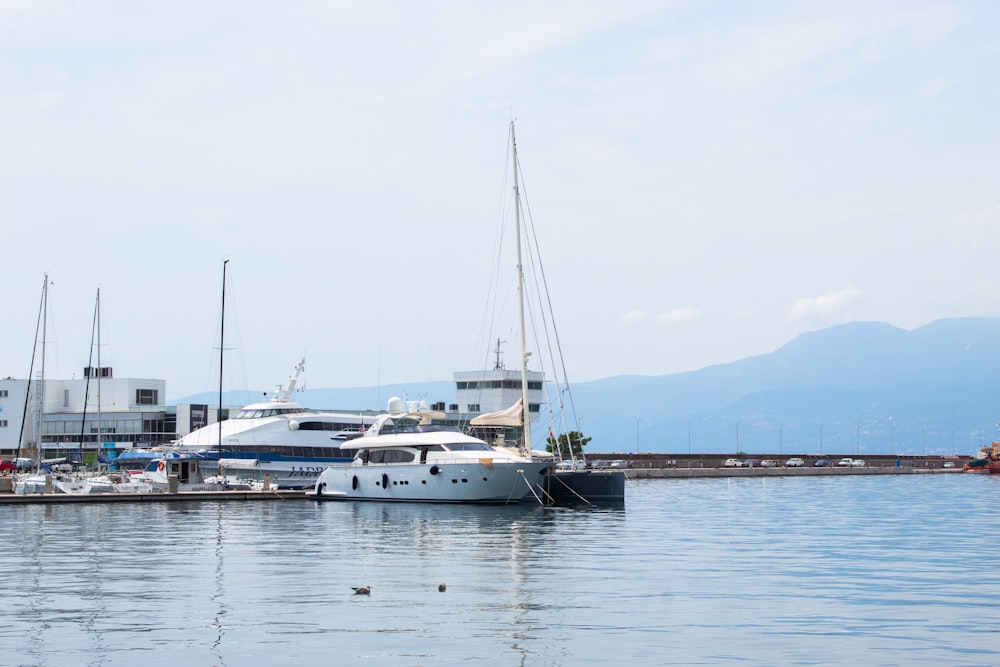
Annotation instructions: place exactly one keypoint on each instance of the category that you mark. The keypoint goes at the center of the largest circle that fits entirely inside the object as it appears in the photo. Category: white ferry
(277, 438)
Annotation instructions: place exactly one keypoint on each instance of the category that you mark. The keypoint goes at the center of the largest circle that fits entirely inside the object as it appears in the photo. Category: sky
(708, 180)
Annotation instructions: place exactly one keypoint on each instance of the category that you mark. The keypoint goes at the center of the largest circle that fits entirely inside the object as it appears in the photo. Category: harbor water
(873, 570)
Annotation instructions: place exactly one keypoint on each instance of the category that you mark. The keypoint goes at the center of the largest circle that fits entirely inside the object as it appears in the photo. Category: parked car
(858, 463)
(24, 463)
(6, 466)
(794, 462)
(751, 463)
(821, 463)
(769, 463)
(600, 465)
(948, 464)
(732, 463)
(845, 462)
(619, 463)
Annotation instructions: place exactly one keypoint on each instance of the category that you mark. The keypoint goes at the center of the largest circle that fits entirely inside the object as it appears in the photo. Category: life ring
(160, 466)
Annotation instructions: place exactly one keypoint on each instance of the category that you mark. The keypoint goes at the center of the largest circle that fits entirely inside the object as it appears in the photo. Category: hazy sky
(708, 179)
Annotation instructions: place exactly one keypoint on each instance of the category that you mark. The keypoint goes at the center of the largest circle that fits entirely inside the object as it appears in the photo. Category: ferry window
(473, 407)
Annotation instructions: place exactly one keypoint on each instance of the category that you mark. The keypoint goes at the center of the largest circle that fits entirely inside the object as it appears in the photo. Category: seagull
(442, 587)
(362, 590)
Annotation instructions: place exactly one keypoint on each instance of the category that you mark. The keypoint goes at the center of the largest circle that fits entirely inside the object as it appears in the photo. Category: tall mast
(100, 373)
(525, 418)
(222, 346)
(41, 384)
(90, 374)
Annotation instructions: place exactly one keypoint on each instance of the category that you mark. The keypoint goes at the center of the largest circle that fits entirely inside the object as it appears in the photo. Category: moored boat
(559, 485)
(277, 439)
(993, 455)
(404, 456)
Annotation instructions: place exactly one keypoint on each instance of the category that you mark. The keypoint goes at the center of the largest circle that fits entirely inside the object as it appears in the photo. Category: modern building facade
(95, 412)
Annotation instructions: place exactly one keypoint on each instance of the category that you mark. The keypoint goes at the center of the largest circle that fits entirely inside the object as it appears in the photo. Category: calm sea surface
(872, 570)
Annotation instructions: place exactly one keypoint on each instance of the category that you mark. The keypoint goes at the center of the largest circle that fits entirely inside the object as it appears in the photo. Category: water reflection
(219, 594)
(787, 571)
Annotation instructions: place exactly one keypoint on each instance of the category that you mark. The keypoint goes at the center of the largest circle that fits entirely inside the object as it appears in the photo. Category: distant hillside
(855, 388)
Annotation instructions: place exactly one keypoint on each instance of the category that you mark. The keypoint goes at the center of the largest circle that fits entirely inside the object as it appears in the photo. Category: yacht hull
(489, 481)
(584, 486)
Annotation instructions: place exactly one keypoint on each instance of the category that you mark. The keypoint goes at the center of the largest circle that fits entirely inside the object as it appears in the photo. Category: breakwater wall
(682, 473)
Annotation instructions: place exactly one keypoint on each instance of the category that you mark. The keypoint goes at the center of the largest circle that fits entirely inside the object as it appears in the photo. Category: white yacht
(406, 457)
(278, 439)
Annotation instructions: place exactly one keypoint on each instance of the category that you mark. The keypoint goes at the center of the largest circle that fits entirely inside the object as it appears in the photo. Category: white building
(95, 412)
(479, 392)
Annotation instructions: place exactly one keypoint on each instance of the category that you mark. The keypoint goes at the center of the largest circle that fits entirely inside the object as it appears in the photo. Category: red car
(6, 466)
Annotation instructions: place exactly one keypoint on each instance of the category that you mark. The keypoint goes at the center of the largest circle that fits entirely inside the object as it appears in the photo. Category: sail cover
(511, 416)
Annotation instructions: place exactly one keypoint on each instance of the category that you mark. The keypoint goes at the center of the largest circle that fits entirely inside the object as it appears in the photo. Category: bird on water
(442, 587)
(362, 590)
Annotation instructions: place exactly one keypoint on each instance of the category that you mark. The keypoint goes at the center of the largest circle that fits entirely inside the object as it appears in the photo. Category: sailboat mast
(89, 374)
(41, 385)
(525, 417)
(222, 347)
(100, 373)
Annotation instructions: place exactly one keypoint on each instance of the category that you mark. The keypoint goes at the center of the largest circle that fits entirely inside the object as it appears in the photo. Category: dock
(185, 496)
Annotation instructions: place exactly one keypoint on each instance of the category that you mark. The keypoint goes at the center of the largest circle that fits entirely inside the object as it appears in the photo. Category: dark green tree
(567, 444)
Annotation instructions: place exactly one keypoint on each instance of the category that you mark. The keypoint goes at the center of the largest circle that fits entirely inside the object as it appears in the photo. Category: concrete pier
(183, 496)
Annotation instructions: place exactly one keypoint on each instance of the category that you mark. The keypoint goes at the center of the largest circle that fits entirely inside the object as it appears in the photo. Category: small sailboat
(30, 445)
(563, 483)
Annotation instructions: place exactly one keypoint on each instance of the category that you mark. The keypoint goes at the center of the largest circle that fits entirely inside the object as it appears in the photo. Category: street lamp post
(689, 437)
(637, 434)
(738, 437)
(952, 442)
(821, 440)
(857, 444)
(781, 439)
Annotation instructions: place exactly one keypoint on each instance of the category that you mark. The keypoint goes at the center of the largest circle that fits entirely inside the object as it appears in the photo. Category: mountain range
(863, 387)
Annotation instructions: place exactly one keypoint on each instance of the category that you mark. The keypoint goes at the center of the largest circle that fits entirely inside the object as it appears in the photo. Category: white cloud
(678, 315)
(823, 309)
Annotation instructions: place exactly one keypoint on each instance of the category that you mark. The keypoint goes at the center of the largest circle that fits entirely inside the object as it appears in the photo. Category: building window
(146, 397)
(3, 423)
(3, 393)
(65, 398)
(473, 407)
